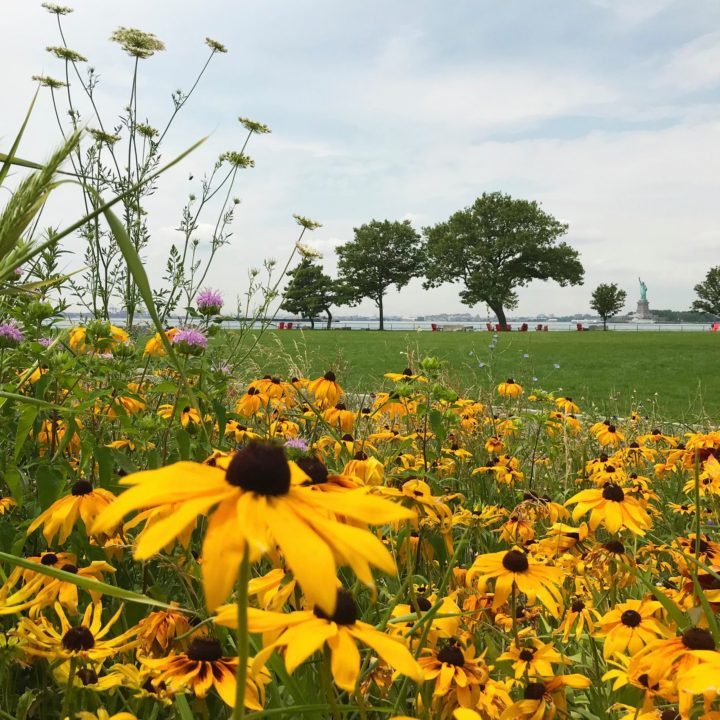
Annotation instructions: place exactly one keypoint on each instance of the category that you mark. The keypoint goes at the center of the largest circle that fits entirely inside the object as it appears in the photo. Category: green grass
(671, 374)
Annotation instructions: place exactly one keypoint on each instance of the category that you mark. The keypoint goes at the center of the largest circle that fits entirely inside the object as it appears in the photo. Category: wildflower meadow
(192, 528)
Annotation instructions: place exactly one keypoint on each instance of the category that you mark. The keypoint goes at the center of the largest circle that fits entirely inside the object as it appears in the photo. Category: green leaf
(8, 159)
(49, 485)
(678, 616)
(183, 709)
(14, 480)
(25, 423)
(87, 583)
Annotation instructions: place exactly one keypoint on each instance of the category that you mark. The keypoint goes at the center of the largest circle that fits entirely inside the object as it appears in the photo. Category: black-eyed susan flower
(609, 435)
(515, 569)
(407, 375)
(304, 632)
(6, 504)
(154, 347)
(41, 591)
(84, 502)
(545, 698)
(186, 414)
(326, 390)
(203, 667)
(252, 402)
(88, 640)
(456, 673)
(258, 507)
(630, 626)
(580, 618)
(103, 714)
(611, 507)
(532, 657)
(509, 388)
(158, 631)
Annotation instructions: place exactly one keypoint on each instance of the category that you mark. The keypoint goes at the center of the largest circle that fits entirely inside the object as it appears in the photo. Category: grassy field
(673, 374)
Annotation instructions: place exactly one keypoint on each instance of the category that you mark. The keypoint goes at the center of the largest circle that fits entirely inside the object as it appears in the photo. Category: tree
(382, 254)
(708, 293)
(607, 300)
(497, 245)
(310, 292)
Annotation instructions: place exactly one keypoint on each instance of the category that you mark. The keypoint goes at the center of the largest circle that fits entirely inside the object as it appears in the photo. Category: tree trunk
(604, 322)
(329, 322)
(312, 323)
(500, 312)
(380, 308)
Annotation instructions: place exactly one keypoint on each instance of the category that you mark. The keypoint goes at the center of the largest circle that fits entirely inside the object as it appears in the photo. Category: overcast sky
(606, 111)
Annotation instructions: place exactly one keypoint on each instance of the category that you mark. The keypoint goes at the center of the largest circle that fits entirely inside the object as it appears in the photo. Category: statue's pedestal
(643, 310)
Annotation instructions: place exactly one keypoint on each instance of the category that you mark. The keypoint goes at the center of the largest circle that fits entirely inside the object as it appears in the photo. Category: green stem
(328, 684)
(242, 635)
(67, 702)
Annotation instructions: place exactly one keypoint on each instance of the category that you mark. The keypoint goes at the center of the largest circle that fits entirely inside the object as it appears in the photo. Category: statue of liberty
(643, 290)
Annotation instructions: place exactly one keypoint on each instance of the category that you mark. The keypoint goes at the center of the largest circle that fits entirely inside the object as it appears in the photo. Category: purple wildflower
(209, 302)
(190, 341)
(296, 444)
(45, 342)
(10, 335)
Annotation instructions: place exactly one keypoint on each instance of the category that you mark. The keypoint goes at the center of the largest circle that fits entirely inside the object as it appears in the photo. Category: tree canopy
(382, 254)
(497, 245)
(607, 300)
(708, 293)
(310, 292)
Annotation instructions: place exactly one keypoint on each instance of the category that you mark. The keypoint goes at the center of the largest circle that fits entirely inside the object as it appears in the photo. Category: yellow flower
(203, 667)
(533, 659)
(154, 346)
(84, 502)
(87, 641)
(455, 669)
(629, 626)
(103, 714)
(612, 508)
(258, 508)
(304, 632)
(509, 388)
(514, 569)
(326, 390)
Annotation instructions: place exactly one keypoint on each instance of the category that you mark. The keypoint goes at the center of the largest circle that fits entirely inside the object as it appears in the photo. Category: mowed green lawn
(675, 375)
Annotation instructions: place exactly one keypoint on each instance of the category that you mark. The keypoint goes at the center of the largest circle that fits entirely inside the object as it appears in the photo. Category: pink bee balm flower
(190, 341)
(209, 302)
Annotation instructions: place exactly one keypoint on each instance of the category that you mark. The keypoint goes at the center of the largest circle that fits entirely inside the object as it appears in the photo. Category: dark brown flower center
(330, 376)
(515, 561)
(78, 638)
(696, 638)
(670, 715)
(407, 372)
(70, 568)
(452, 655)
(613, 492)
(526, 654)
(509, 381)
(87, 676)
(360, 455)
(615, 547)
(424, 604)
(345, 610)
(82, 487)
(314, 469)
(611, 428)
(186, 410)
(534, 691)
(49, 559)
(205, 650)
(261, 468)
(631, 618)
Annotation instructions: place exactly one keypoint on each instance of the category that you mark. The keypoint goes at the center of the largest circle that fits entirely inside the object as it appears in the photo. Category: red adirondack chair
(289, 326)
(579, 327)
(434, 327)
(281, 325)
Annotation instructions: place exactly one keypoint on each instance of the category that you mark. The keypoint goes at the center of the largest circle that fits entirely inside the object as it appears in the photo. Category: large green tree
(310, 292)
(497, 245)
(383, 254)
(607, 300)
(708, 293)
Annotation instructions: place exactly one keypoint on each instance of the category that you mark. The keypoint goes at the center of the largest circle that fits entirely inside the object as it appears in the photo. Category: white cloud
(695, 64)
